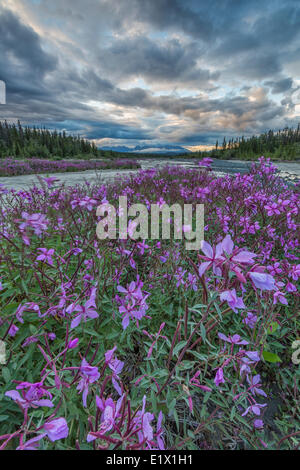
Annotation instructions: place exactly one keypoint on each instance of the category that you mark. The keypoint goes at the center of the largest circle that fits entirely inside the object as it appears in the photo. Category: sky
(151, 72)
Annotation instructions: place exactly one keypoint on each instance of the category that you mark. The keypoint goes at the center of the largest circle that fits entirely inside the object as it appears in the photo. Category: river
(288, 170)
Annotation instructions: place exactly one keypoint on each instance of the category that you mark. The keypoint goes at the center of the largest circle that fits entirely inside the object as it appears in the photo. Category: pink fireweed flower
(32, 397)
(31, 444)
(254, 409)
(219, 378)
(279, 297)
(50, 180)
(163, 258)
(201, 193)
(275, 269)
(262, 281)
(56, 429)
(255, 385)
(110, 413)
(89, 375)
(142, 421)
(73, 343)
(258, 424)
(212, 258)
(225, 253)
(290, 287)
(272, 209)
(246, 362)
(192, 282)
(85, 202)
(38, 222)
(205, 162)
(29, 306)
(235, 257)
(13, 330)
(248, 227)
(46, 255)
(159, 432)
(86, 311)
(116, 367)
(250, 320)
(133, 305)
(235, 339)
(233, 300)
(295, 272)
(179, 275)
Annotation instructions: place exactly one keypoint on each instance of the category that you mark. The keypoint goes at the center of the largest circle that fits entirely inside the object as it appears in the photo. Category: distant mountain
(159, 149)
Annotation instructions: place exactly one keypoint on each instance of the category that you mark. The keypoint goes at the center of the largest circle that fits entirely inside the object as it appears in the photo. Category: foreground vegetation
(142, 344)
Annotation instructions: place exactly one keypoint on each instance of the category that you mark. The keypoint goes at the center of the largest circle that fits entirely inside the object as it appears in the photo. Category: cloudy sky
(152, 72)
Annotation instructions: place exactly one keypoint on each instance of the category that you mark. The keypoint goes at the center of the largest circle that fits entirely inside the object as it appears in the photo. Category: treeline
(26, 142)
(281, 145)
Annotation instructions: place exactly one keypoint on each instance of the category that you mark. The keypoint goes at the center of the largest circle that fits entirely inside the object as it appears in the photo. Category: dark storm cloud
(280, 86)
(23, 62)
(168, 61)
(173, 14)
(104, 129)
(257, 66)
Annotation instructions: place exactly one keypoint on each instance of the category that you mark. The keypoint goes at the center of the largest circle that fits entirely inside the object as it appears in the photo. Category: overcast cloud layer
(154, 72)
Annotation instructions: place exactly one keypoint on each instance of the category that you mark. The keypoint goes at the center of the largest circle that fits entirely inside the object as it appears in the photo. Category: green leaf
(271, 357)
(6, 374)
(203, 331)
(178, 347)
(273, 327)
(3, 418)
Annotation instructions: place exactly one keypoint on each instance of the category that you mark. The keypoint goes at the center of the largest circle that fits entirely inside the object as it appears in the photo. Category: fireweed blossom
(86, 202)
(255, 409)
(13, 330)
(232, 299)
(28, 307)
(219, 378)
(262, 281)
(255, 385)
(246, 362)
(205, 162)
(223, 254)
(133, 305)
(258, 424)
(279, 297)
(250, 320)
(142, 421)
(56, 429)
(235, 339)
(31, 395)
(116, 367)
(89, 375)
(31, 444)
(50, 180)
(85, 312)
(110, 412)
(46, 255)
(37, 222)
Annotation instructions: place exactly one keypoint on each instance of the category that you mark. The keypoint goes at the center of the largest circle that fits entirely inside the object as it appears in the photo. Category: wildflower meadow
(141, 344)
